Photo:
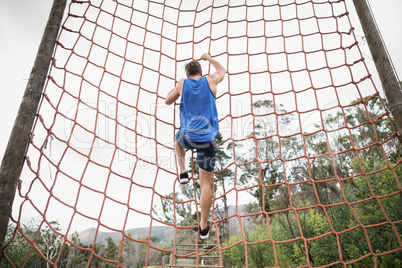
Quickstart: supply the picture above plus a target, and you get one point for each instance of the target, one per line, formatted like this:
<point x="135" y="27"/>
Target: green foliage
<point x="19" y="245"/>
<point x="111" y="252"/>
<point x="73" y="253"/>
<point x="260" y="251"/>
<point x="347" y="201"/>
<point x="236" y="253"/>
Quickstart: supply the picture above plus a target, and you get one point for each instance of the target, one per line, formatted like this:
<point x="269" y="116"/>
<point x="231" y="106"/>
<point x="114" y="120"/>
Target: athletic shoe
<point x="204" y="233"/>
<point x="183" y="178"/>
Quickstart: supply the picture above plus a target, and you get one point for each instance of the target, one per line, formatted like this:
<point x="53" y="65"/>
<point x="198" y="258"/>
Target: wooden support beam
<point x="14" y="156"/>
<point x="389" y="81"/>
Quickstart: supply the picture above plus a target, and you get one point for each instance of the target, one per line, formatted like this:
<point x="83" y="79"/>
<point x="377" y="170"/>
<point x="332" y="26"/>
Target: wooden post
<point x="389" y="81"/>
<point x="14" y="156"/>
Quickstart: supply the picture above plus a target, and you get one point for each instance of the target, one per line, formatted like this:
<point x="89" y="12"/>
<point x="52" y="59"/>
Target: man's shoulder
<point x="212" y="78"/>
<point x="180" y="83"/>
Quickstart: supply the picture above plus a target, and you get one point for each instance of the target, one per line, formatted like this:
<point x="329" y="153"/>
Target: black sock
<point x="184" y="175"/>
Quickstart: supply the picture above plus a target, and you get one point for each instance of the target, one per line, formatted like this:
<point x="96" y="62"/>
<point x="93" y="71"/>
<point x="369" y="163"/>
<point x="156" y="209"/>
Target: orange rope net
<point x="294" y="107"/>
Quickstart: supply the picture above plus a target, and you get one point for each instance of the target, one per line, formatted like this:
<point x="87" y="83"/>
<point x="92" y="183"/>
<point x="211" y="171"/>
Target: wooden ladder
<point x="206" y="261"/>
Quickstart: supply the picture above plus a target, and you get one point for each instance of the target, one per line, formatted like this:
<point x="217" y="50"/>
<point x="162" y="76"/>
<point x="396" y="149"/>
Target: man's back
<point x="198" y="113"/>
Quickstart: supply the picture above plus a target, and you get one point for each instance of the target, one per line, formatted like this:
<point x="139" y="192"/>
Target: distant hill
<point x="163" y="233"/>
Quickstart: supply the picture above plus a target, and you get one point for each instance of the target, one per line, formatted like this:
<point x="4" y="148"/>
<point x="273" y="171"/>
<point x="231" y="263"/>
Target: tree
<point x="259" y="254"/>
<point x="368" y="174"/>
<point x="111" y="252"/>
<point x="49" y="241"/>
<point x="73" y="256"/>
<point x="16" y="246"/>
<point x="134" y="253"/>
<point x="168" y="205"/>
<point x="356" y="160"/>
<point x="223" y="178"/>
<point x="261" y="163"/>
<point x="19" y="248"/>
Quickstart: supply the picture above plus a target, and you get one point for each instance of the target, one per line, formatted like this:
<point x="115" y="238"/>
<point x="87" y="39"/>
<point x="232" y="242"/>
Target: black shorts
<point x="206" y="151"/>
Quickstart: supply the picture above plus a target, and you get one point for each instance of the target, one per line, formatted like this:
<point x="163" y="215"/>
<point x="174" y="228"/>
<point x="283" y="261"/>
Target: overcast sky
<point x="22" y="23"/>
<point x="21" y="27"/>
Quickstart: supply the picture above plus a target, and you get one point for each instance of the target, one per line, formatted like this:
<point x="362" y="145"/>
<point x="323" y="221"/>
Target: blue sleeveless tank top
<point x="198" y="113"/>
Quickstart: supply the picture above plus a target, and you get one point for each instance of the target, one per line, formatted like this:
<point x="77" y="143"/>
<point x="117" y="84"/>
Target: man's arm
<point x="219" y="74"/>
<point x="175" y="93"/>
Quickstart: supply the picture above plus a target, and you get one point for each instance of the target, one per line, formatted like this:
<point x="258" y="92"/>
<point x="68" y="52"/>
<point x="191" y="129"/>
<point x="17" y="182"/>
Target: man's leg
<point x="206" y="196"/>
<point x="181" y="154"/>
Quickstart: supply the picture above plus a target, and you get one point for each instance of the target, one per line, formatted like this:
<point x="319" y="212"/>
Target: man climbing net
<point x="199" y="127"/>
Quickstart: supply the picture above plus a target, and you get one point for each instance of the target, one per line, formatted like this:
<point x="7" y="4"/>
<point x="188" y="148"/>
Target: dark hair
<point x="193" y="68"/>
